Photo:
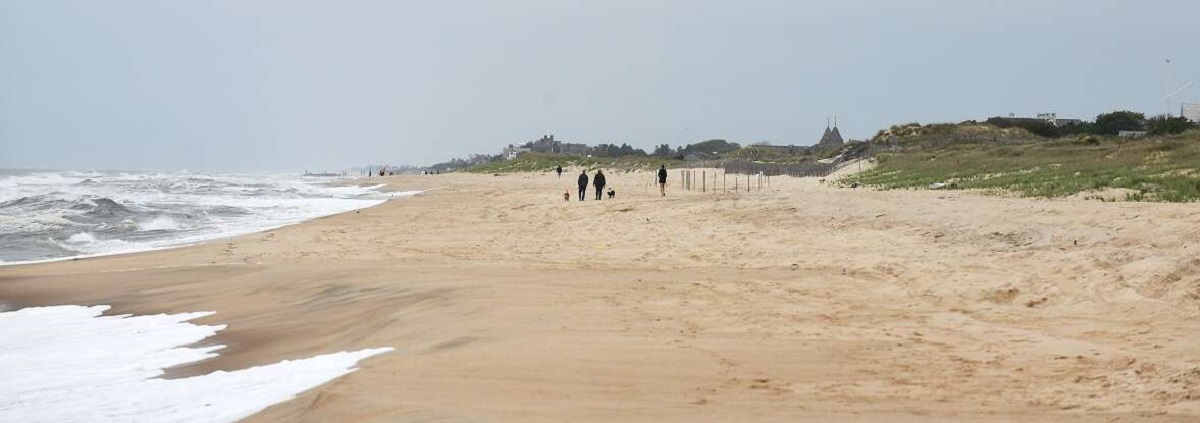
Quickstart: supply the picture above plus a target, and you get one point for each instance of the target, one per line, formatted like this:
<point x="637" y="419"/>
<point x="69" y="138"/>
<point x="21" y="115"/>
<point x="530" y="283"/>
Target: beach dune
<point x="798" y="302"/>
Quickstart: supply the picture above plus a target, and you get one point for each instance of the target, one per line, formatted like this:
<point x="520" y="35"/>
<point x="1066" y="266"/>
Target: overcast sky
<point x="293" y="85"/>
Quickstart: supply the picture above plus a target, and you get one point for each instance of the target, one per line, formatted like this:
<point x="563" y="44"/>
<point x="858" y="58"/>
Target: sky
<point x="287" y="86"/>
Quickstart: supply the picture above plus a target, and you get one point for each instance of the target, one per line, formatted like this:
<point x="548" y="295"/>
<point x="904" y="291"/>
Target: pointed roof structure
<point x="832" y="137"/>
<point x="836" y="136"/>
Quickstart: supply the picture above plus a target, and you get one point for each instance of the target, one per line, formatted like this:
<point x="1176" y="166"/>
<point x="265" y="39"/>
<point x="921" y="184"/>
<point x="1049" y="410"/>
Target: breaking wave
<point x="53" y="215"/>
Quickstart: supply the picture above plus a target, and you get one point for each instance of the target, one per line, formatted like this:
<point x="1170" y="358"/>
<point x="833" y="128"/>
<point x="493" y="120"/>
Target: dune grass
<point x="1153" y="169"/>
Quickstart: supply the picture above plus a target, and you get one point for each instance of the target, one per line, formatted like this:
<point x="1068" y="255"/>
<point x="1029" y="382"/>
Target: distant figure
<point x="662" y="180"/>
<point x="583" y="183"/>
<point x="381" y="171"/>
<point x="612" y="193"/>
<point x="598" y="182"/>
<point x="566" y="195"/>
<point x="559" y="170"/>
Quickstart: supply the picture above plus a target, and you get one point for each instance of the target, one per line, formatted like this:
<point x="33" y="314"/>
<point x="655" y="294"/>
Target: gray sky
<point x="294" y="85"/>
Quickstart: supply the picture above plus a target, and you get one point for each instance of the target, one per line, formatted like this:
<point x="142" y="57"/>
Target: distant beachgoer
<point x="559" y="170"/>
<point x="598" y="182"/>
<point x="662" y="180"/>
<point x="583" y="183"/>
<point x="567" y="195"/>
<point x="612" y="193"/>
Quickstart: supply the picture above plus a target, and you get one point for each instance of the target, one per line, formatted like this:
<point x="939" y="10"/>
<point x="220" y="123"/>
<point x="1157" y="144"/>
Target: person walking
<point x="598" y="182"/>
<point x="662" y="180"/>
<point x="559" y="170"/>
<point x="583" y="183"/>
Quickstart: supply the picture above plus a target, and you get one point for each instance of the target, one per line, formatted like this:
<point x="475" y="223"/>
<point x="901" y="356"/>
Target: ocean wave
<point x="160" y="223"/>
<point x="104" y="207"/>
<point x="13" y="224"/>
<point x="81" y="238"/>
<point x="43" y="214"/>
<point x="87" y="243"/>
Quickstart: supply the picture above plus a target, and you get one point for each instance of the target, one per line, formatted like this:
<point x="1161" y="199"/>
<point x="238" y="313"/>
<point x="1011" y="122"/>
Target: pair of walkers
<point x="597" y="181"/>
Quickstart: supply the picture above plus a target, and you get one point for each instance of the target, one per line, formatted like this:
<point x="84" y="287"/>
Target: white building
<point x="513" y="151"/>
<point x="1190" y="111"/>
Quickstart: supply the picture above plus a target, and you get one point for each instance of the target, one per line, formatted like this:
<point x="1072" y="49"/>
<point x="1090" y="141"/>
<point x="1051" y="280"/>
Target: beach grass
<point x="1165" y="169"/>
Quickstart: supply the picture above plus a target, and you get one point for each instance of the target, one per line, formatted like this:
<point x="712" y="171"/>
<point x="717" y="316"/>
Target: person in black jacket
<point x="598" y="182"/>
<point x="583" y="183"/>
<point x="662" y="180"/>
<point x="559" y="170"/>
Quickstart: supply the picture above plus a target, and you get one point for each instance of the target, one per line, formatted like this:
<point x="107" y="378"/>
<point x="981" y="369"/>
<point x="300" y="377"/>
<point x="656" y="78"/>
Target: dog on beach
<point x="612" y="193"/>
<point x="567" y="195"/>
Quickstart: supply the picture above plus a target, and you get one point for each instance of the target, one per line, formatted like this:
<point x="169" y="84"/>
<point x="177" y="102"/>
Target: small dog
<point x="567" y="195"/>
<point x="612" y="193"/>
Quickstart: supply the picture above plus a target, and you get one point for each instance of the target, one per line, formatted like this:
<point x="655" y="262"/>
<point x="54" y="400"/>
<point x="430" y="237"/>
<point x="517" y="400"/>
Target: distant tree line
<point x="1111" y="123"/>
<point x="612" y="150"/>
<point x="708" y="148"/>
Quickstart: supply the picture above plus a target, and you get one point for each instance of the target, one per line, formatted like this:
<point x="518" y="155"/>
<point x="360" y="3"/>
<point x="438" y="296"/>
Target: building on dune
<point x="1191" y="111"/>
<point x="832" y="138"/>
<point x="545" y="145"/>
<point x="511" y="152"/>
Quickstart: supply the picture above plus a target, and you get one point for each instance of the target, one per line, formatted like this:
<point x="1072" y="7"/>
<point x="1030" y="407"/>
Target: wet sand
<point x="796" y="303"/>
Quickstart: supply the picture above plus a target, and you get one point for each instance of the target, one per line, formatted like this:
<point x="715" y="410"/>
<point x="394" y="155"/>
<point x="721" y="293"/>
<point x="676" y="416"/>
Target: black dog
<point x="612" y="193"/>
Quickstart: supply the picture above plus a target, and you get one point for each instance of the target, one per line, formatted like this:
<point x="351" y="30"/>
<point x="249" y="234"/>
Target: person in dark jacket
<point x="598" y="182"/>
<point x="559" y="170"/>
<point x="662" y="180"/>
<point x="583" y="183"/>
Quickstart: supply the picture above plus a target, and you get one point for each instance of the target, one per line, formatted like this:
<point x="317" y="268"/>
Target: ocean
<point x="49" y="215"/>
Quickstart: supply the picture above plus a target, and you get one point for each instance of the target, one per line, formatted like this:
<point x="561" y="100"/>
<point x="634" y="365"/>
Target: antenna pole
<point x="1170" y="85"/>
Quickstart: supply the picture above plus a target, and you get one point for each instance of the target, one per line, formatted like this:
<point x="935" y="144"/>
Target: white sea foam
<point x="81" y="238"/>
<point x="70" y="364"/>
<point x="161" y="223"/>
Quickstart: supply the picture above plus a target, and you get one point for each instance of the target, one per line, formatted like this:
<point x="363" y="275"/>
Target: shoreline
<point x="795" y="304"/>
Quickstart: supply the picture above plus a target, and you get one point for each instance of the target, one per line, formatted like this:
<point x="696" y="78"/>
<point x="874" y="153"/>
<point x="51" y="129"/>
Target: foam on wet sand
<point x="73" y="364"/>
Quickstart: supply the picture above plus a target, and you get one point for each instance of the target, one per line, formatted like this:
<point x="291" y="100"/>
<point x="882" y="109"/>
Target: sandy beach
<point x="800" y="302"/>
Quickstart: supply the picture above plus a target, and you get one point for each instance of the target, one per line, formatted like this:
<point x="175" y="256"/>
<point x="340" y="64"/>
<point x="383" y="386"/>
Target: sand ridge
<point x="802" y="302"/>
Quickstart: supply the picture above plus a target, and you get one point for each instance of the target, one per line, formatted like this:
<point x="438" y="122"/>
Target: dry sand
<point x="796" y="303"/>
